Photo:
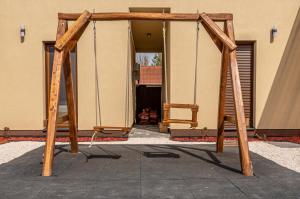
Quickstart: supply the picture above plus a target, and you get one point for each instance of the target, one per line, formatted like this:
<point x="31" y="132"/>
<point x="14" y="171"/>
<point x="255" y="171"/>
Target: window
<point x="63" y="110"/>
<point x="246" y="61"/>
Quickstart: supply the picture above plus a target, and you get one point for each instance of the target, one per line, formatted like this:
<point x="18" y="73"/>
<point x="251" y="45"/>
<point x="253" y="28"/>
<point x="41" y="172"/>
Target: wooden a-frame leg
<point x="223" y="81"/>
<point x="246" y="163"/>
<point x="71" y="103"/>
<point x="53" y="103"/>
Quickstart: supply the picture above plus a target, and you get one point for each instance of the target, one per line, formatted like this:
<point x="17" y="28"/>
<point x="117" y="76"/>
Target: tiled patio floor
<point x="146" y="171"/>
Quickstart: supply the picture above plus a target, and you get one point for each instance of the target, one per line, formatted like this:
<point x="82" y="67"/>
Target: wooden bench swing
<point x="99" y="128"/>
<point x="167" y="105"/>
<point x="67" y="39"/>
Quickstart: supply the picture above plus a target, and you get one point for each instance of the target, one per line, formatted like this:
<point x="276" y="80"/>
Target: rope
<point x="97" y="96"/>
<point x="196" y="62"/>
<point x="97" y="93"/>
<point x="127" y="76"/>
<point x="165" y="63"/>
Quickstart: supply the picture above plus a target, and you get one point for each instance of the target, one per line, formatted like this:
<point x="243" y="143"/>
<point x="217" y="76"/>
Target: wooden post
<point x="239" y="108"/>
<point x="53" y="103"/>
<point x="194" y="117"/>
<point x="221" y="113"/>
<point x="71" y="103"/>
<point x="166" y="113"/>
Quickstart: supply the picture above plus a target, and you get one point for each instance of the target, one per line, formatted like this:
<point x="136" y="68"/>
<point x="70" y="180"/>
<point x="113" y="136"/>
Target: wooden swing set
<point x="66" y="40"/>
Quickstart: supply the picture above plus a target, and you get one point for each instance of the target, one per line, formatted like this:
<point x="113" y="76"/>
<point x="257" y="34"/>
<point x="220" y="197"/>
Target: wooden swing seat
<point x="167" y="120"/>
<point x="112" y="128"/>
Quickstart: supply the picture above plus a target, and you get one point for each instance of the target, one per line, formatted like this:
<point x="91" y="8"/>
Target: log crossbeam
<point x="63" y="118"/>
<point x="146" y="16"/>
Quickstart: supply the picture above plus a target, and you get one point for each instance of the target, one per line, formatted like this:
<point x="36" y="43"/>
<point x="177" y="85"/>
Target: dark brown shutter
<point x="245" y="59"/>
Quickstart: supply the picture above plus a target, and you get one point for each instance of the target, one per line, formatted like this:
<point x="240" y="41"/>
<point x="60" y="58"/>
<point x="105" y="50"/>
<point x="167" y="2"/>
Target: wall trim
<point x="42" y="133"/>
<point x="203" y="133"/>
<point x="279" y="132"/>
<point x="174" y="133"/>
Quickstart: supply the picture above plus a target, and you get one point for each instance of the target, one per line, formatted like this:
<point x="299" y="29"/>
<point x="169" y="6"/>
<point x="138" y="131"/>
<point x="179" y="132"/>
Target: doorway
<point x="149" y="84"/>
<point x="148" y="88"/>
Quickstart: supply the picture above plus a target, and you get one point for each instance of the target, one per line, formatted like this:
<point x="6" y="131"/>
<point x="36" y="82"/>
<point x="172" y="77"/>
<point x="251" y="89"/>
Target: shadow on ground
<point x="146" y="171"/>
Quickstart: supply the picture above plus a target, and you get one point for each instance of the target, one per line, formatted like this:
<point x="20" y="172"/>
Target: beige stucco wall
<point x="282" y="107"/>
<point x="22" y="101"/>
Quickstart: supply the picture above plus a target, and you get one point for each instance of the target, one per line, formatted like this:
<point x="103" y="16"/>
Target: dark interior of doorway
<point x="148" y="97"/>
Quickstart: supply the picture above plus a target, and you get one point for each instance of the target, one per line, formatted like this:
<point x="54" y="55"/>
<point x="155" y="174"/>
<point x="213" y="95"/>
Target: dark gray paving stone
<point x="159" y="189"/>
<point x="214" y="188"/>
<point x="11" y="189"/>
<point x="127" y="189"/>
<point x="267" y="168"/>
<point x="63" y="190"/>
<point x="255" y="187"/>
<point x="195" y="171"/>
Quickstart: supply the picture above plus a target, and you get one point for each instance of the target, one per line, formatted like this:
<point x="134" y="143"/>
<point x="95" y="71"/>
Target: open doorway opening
<point x="149" y="88"/>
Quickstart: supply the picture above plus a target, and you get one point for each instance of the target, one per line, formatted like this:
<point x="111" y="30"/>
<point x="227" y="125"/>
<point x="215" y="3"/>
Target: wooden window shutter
<point x="245" y="59"/>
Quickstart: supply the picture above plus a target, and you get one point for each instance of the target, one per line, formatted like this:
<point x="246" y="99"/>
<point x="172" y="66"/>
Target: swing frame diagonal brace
<point x="246" y="163"/>
<point x="72" y="43"/>
<point x="216" y="30"/>
<point x="53" y="102"/>
<point x="215" y="39"/>
<point x="78" y="25"/>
